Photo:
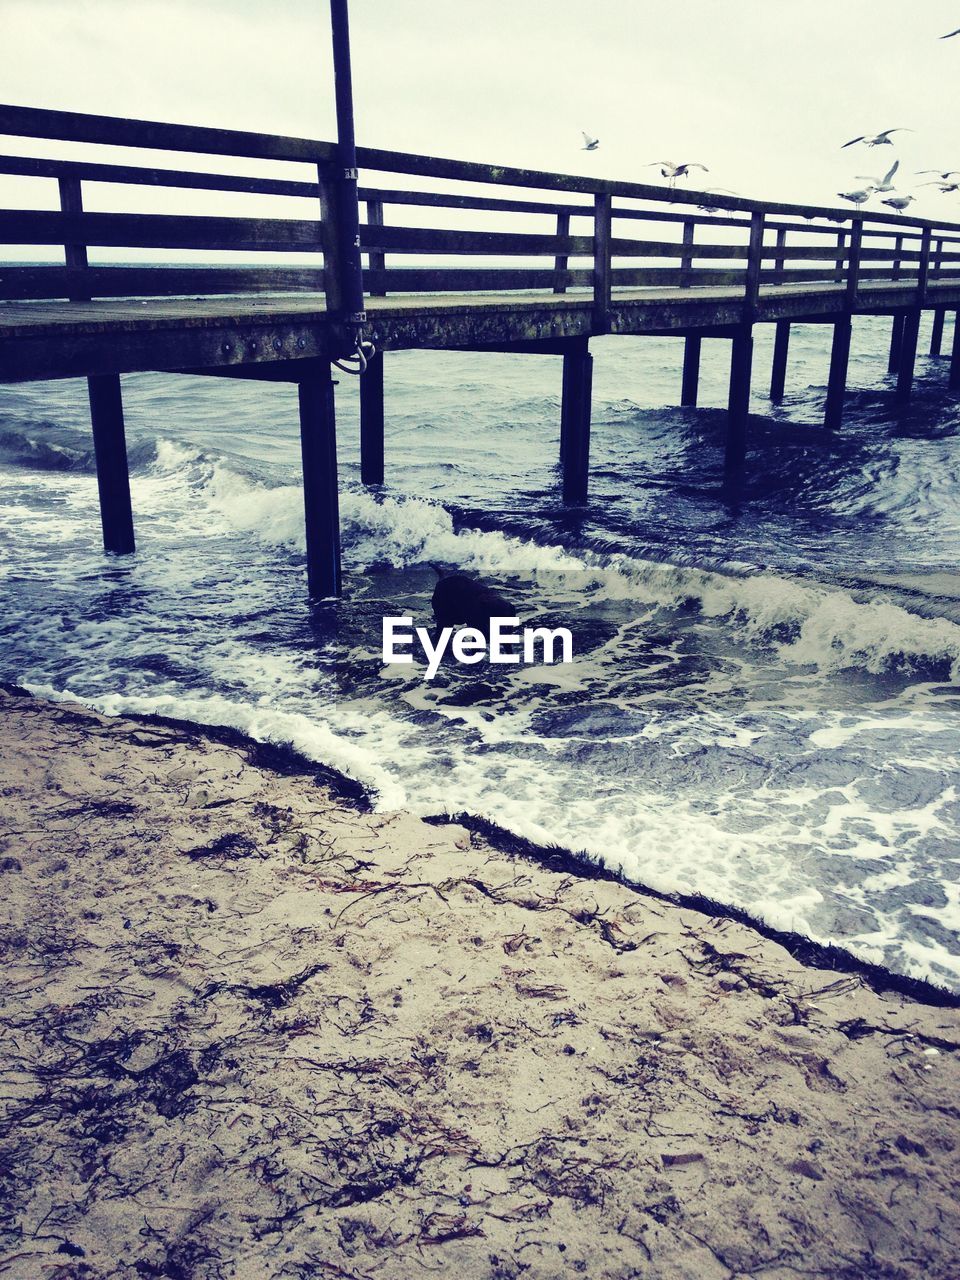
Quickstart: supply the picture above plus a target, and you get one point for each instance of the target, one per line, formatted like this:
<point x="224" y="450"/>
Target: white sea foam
<point x="827" y="628"/>
<point x="655" y="833"/>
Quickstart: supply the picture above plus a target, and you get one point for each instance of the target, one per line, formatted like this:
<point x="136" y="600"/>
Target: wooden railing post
<point x="897" y="251"/>
<point x="106" y="408"/>
<point x="780" y="260"/>
<point x="560" y="261"/>
<point x="923" y="269"/>
<point x="841" y="256"/>
<point x="378" y="259"/>
<point x="754" y="264"/>
<point x="853" y="262"/>
<point x="330" y="239"/>
<point x="602" y="217"/>
<point x="686" y="257"/>
<point x="75" y="255"/>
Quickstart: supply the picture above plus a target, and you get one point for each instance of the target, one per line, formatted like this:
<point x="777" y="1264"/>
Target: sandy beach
<point x="252" y="1028"/>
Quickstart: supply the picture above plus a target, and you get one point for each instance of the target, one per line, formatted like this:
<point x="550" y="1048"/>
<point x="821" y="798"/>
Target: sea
<point x="764" y="701"/>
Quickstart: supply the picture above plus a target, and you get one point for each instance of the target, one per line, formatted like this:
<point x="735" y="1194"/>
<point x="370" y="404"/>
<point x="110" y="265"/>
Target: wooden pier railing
<point x="623" y="235"/>
<point x="454" y="253"/>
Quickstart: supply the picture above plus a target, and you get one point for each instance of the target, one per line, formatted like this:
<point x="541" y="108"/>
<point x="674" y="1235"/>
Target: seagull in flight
<point x="945" y="187"/>
<point x="589" y="144"/>
<point x="857" y="197"/>
<point x="879" y="139"/>
<point x="944" y="177"/>
<point x="899" y="202"/>
<point x="951" y="34"/>
<point x="672" y="171"/>
<point x="884" y="183"/>
<point x="706" y="205"/>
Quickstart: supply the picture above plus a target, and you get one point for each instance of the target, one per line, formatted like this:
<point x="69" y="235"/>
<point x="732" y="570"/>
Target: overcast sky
<point x="762" y="91"/>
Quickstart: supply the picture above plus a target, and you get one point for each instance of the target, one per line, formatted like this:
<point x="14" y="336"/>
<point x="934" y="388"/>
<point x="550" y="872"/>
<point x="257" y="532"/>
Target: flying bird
<point x="951" y="34"/>
<point x="589" y="144"/>
<point x="670" y="170"/>
<point x="878" y="139"/>
<point x="884" y="183"/>
<point x="706" y="205"/>
<point x="945" y="187"/>
<point x="944" y="177"/>
<point x="898" y="202"/>
<point x="857" y="197"/>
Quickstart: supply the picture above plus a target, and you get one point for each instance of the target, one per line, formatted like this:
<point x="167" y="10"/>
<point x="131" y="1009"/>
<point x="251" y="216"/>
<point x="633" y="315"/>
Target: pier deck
<point x="253" y="334"/>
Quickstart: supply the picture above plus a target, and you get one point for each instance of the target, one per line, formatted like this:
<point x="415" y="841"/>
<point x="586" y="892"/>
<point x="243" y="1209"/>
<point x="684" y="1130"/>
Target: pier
<point x="339" y="262"/>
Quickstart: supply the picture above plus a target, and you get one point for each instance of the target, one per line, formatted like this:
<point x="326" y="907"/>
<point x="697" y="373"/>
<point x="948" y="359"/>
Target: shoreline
<point x="253" y="1028"/>
<point x="287" y="760"/>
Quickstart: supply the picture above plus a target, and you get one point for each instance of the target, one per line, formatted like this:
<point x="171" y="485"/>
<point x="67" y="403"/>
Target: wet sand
<point x="252" y="1029"/>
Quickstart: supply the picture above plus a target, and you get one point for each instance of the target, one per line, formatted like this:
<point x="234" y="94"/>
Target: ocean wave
<point x="50" y="448"/>
<point x="806" y="623"/>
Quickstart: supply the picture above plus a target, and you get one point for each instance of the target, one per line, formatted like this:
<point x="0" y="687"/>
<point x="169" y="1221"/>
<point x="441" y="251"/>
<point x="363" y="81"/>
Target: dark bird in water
<point x="881" y="139"/>
<point x="459" y="599"/>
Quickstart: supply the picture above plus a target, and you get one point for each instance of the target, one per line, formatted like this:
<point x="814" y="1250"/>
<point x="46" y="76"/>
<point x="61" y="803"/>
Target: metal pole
<point x="350" y="271"/>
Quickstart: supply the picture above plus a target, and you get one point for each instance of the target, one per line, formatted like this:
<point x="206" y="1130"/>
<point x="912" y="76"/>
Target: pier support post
<point x="778" y="375"/>
<point x="691" y="370"/>
<point x="738" y="408"/>
<point x="954" y="380"/>
<point x="318" y="443"/>
<point x="896" y="343"/>
<point x="936" y="333"/>
<point x="371" y="421"/>
<point x="908" y="353"/>
<point x="110" y="449"/>
<point x="575" y="422"/>
<point x="837" y="383"/>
